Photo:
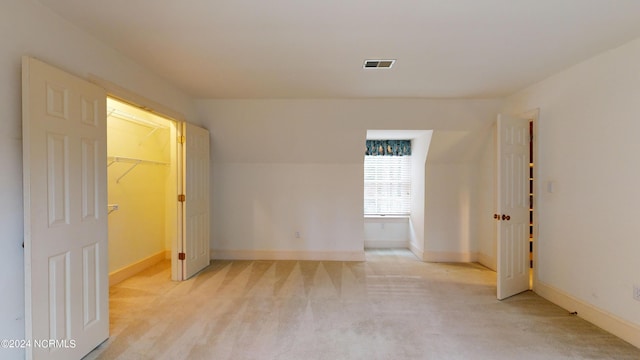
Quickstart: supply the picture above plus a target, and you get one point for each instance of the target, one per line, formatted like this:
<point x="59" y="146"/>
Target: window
<point x="387" y="178"/>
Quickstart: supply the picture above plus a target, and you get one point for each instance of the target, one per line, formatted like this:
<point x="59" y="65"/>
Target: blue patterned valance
<point x="388" y="147"/>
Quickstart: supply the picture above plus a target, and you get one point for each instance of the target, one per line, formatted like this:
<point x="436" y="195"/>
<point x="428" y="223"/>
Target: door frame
<point x="533" y="116"/>
<point x="126" y="96"/>
<point x="172" y="222"/>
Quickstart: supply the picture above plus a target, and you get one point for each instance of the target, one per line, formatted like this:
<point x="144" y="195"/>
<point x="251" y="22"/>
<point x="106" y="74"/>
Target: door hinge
<point x="182" y="256"/>
<point x="182" y="198"/>
<point x="182" y="139"/>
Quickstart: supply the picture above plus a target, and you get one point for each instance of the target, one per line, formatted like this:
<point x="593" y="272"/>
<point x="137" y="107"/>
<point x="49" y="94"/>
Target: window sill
<point x="378" y="217"/>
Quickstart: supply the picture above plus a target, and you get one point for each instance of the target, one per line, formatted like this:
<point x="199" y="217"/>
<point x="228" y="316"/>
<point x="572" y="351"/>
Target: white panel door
<point x="65" y="203"/>
<point x="196" y="207"/>
<point x="512" y="205"/>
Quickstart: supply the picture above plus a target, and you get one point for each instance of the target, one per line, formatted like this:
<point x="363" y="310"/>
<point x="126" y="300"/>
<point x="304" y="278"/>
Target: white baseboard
<point x="436" y="256"/>
<point x="487" y="261"/>
<point x="609" y="322"/>
<point x="132" y="269"/>
<point x="386" y="244"/>
<point x="417" y="252"/>
<point x="287" y="255"/>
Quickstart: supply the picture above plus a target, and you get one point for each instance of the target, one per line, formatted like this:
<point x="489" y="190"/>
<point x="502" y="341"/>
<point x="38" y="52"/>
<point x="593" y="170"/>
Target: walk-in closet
<point x="142" y="183"/>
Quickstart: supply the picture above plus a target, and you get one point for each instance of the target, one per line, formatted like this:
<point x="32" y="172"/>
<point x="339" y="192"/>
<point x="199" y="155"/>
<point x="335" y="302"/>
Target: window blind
<point x="387" y="185"/>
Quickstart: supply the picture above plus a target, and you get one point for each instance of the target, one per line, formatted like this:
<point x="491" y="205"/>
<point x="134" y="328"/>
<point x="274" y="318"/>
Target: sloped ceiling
<point x="315" y="49"/>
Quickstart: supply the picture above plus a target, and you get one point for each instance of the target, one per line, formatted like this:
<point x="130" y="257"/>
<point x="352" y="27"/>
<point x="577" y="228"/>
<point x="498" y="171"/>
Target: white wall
<point x="484" y="177"/>
<point x="420" y="151"/>
<point x="448" y="235"/>
<point x="29" y="28"/>
<point x="297" y="165"/>
<point x="260" y="207"/>
<point x="588" y="145"/>
<point x="386" y="232"/>
<point x="455" y="209"/>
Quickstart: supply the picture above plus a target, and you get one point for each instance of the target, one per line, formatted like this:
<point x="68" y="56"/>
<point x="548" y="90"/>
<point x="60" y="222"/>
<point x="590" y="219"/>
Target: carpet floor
<point x="390" y="307"/>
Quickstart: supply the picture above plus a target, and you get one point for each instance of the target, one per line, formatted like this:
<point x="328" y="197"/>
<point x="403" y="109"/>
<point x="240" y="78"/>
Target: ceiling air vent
<point x="378" y="64"/>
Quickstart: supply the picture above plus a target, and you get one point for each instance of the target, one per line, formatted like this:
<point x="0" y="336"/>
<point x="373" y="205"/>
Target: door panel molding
<point x="65" y="201"/>
<point x="512" y="206"/>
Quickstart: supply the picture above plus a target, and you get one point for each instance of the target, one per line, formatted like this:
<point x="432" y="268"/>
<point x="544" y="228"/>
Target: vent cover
<point x="378" y="64"/>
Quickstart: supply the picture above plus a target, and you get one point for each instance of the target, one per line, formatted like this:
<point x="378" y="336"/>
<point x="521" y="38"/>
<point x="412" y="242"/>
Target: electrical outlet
<point x="636" y="292"/>
<point x="297" y="234"/>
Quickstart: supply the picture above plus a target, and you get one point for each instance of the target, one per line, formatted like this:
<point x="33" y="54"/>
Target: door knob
<point x="506" y="217"/>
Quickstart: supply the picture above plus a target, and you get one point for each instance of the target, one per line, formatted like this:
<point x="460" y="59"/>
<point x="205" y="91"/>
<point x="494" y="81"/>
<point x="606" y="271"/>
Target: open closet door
<point x="512" y="213"/>
<point x="65" y="213"/>
<point x="195" y="225"/>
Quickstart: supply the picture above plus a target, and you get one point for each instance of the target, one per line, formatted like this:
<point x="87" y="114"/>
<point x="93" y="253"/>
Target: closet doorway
<point x="157" y="209"/>
<point x="142" y="189"/>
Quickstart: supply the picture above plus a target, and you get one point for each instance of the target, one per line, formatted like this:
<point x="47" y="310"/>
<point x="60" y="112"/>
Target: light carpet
<point x="390" y="307"/>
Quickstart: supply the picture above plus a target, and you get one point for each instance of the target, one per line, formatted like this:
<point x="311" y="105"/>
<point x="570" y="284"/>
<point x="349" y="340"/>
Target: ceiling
<point x="315" y="49"/>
